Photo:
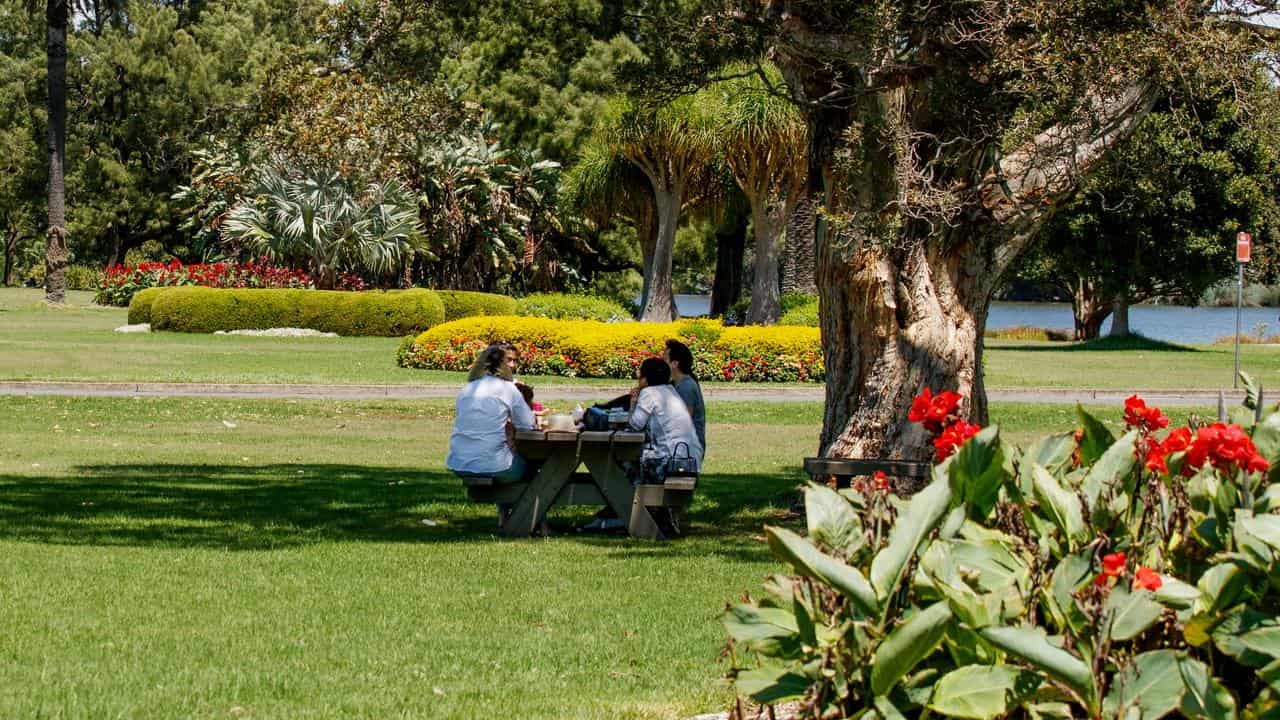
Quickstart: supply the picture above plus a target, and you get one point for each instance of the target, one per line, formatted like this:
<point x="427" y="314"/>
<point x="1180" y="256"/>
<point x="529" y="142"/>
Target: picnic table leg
<point x="621" y="494"/>
<point x="541" y="493"/>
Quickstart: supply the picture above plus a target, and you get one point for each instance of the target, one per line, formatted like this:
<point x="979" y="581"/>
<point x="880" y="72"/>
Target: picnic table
<point x="604" y="483"/>
<point x="844" y="470"/>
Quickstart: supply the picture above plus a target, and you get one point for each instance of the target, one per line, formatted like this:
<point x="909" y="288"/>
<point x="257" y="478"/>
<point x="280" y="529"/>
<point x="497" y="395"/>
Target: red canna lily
<point x="957" y="434"/>
<point x="1147" y="579"/>
<point x="1145" y="419"/>
<point x="1112" y="567"/>
<point x="881" y="481"/>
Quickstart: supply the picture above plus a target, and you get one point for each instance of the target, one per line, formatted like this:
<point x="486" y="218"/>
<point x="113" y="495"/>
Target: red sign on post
<point x="1244" y="243"/>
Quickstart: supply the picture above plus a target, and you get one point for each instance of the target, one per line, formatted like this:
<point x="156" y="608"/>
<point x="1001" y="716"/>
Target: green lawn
<point x="268" y="559"/>
<point x="77" y="343"/>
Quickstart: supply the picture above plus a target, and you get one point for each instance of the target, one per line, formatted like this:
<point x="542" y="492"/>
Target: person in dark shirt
<point x="680" y="358"/>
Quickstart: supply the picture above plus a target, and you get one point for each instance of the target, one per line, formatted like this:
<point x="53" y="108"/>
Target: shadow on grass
<point x="272" y="506"/>
<point x="1103" y="344"/>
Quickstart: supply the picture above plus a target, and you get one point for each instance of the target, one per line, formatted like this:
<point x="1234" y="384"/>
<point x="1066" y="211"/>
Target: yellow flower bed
<point x="588" y="348"/>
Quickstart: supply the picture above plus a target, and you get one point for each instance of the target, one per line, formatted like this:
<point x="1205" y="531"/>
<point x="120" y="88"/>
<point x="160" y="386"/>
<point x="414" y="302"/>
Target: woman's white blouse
<point x="661" y="412"/>
<point x="479" y="440"/>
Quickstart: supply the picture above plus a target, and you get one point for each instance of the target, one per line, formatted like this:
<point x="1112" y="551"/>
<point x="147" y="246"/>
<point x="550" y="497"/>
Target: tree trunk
<point x="766" y="302"/>
<point x="731" y="247"/>
<point x="1120" y="317"/>
<point x="55" y="280"/>
<point x="647" y="235"/>
<point x="1090" y="306"/>
<point x="799" y="253"/>
<point x="660" y="301"/>
<point x="10" y="247"/>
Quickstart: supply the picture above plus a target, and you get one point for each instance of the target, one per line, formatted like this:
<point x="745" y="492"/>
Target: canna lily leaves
<point x="980" y="692"/>
<point x="916" y="520"/>
<point x="1031" y="645"/>
<point x="1095" y="438"/>
<point x="1115" y="463"/>
<point x="769" y="631"/>
<point x="1176" y="594"/>
<point x="908" y="644"/>
<point x="1220" y="586"/>
<point x="1133" y="611"/>
<point x="1264" y="527"/>
<point x="831" y="518"/>
<point x="1265" y="640"/>
<point x="1149" y="686"/>
<point x="1203" y="696"/>
<point x="1062" y="506"/>
<point x="812" y="562"/>
<point x="772" y="682"/>
<point x="978" y="471"/>
<point x="1072" y="572"/>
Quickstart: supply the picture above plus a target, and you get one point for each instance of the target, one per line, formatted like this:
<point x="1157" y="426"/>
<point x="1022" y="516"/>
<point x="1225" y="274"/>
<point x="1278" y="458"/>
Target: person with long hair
<point x="488" y="411"/>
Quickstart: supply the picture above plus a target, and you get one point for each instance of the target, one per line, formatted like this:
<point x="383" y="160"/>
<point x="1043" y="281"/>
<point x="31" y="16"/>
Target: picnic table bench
<point x="604" y="483"/>
<point x="845" y="469"/>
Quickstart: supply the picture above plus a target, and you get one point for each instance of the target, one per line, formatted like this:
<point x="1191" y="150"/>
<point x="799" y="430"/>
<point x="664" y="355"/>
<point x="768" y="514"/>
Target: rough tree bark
<point x="1090" y="306"/>
<point x="798" y="256"/>
<point x="10" y="247"/>
<point x="907" y="310"/>
<point x="55" y="279"/>
<point x="646" y="224"/>
<point x="1120" y="317"/>
<point x="731" y="246"/>
<point x="767" y="218"/>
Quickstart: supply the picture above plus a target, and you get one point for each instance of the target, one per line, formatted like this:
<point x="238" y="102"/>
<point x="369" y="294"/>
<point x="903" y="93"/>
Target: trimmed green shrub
<point x="205" y="310"/>
<point x="465" y="303"/>
<point x="140" y="305"/>
<point x="558" y="306"/>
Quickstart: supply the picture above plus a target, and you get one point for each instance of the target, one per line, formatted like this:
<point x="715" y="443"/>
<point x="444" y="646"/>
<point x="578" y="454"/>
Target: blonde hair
<point x="492" y="361"/>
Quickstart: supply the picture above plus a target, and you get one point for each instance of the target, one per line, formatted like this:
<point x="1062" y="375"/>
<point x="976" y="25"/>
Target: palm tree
<point x="314" y="219"/>
<point x="55" y="249"/>
<point x="761" y="136"/>
<point x="673" y="146"/>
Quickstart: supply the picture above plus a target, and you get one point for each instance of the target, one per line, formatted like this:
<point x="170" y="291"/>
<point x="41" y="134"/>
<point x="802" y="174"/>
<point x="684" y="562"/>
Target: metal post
<point x="1235" y="379"/>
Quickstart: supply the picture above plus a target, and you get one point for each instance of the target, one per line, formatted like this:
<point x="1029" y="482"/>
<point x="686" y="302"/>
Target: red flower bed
<point x="120" y="282"/>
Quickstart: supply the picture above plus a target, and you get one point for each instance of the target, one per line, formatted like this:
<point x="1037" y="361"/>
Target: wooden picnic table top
<point x="585" y="436"/>
<point x="854" y="467"/>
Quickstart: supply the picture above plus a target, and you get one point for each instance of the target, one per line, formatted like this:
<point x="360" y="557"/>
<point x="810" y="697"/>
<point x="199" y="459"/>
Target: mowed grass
<point x="77" y="343"/>
<point x="269" y="559"/>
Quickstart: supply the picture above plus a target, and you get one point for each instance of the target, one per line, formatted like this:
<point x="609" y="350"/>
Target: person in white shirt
<point x="658" y="410"/>
<point x="660" y="413"/>
<point x="488" y="409"/>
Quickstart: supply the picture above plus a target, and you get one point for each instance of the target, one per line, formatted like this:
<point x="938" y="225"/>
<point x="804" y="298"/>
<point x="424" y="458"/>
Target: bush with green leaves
<point x="378" y="313"/>
<point x="1087" y="575"/>
<point x="805" y="314"/>
<point x="140" y="305"/>
<point x="558" y="306"/>
<point x="83" y="277"/>
<point x="466" y="303"/>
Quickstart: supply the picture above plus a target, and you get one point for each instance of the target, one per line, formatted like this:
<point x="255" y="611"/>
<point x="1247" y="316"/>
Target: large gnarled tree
<point x="943" y="134"/>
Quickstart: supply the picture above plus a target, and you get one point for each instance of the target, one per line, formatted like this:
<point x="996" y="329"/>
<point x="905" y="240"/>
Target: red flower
<point x="881" y="480"/>
<point x="1112" y="567"/>
<point x="1225" y="447"/>
<point x="1147" y="579"/>
<point x="957" y="434"/>
<point x="1178" y="440"/>
<point x="934" y="411"/>
<point x="1145" y="419"/>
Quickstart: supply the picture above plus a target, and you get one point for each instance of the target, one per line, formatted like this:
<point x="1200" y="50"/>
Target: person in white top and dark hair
<point x="488" y="411"/>
<point x="660" y="413"/>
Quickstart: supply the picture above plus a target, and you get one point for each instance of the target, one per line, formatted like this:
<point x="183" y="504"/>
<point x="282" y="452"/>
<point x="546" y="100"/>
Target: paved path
<point x="569" y="392"/>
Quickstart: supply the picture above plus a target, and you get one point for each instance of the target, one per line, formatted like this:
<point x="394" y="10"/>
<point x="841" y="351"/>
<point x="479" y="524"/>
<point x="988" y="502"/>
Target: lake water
<point x="1171" y="323"/>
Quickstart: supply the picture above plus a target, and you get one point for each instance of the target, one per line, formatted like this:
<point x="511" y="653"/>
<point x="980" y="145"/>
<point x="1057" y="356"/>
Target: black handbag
<point x="682" y="466"/>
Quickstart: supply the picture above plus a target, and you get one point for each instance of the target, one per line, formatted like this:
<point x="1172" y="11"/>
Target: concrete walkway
<point x="1064" y="396"/>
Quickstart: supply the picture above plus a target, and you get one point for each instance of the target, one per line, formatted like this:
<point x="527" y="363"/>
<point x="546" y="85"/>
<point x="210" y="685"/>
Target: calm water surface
<point x="1171" y="323"/>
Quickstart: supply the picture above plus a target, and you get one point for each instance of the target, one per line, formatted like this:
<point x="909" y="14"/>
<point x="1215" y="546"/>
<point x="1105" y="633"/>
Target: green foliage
<point x="140" y="305"/>
<point x="571" y="307"/>
<point x="316" y="220"/>
<point x="388" y="314"/>
<point x="799" y="309"/>
<point x="466" y="303"/>
<point x="1077" y="577"/>
<point x="83" y="277"/>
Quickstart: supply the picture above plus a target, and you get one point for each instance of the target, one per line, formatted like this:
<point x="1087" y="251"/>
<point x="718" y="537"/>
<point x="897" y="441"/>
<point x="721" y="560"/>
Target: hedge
<point x="589" y="348"/>
<point x="382" y="313"/>
<point x="558" y="306"/>
<point x="805" y="314"/>
<point x="140" y="305"/>
<point x="460" y="304"/>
